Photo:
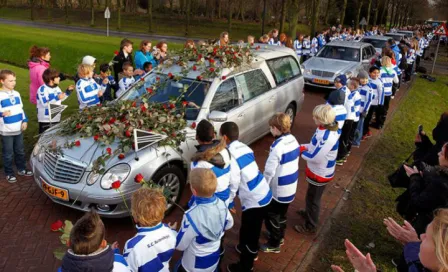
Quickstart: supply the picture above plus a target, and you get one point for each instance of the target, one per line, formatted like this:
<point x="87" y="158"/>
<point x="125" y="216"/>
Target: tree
<point x="376" y="9"/>
<point x="32" y="9"/>
<point x="368" y="13"/>
<point x="314" y="15"/>
<point x="149" y="11"/>
<point x="119" y="14"/>
<point x="263" y="18"/>
<point x="327" y="13"/>
<point x="92" y="9"/>
<point x="358" y="14"/>
<point x="384" y="12"/>
<point x="67" y="21"/>
<point x="187" y="13"/>
<point x="229" y="15"/>
<point x="282" y="16"/>
<point x="344" y="7"/>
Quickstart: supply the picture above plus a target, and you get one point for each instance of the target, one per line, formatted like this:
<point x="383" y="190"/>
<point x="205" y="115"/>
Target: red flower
<point x="109" y="150"/>
<point x="164" y="106"/>
<point x="89" y="117"/>
<point x="200" y="56"/>
<point x="199" y="78"/>
<point x="128" y="133"/>
<point x="112" y="120"/>
<point x="172" y="106"/>
<point x="77" y="143"/>
<point x="78" y="126"/>
<point x="193" y="125"/>
<point x="116" y="52"/>
<point x="303" y="148"/>
<point x="149" y="90"/>
<point x="211" y="69"/>
<point x="143" y="108"/>
<point x="134" y="104"/>
<point x="212" y="61"/>
<point x="139" y="178"/>
<point x="223" y="77"/>
<point x="121" y="156"/>
<point x="184" y="103"/>
<point x="99" y="105"/>
<point x="173" y="134"/>
<point x="170" y="75"/>
<point x="158" y="78"/>
<point x="96" y="137"/>
<point x="133" y="146"/>
<point x="56" y="226"/>
<point x="116" y="185"/>
<point x="194" y="68"/>
<point x="142" y="79"/>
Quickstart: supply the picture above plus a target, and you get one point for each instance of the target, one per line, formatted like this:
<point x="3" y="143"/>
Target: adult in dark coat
<point x="124" y="55"/>
<point x="428" y="191"/>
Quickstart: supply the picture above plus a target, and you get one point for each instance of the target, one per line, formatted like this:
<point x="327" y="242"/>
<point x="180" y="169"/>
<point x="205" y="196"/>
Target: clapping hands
<point x="404" y="234"/>
<point x="360" y="262"/>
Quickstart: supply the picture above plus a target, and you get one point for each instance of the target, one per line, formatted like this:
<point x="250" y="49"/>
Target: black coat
<point x="119" y="60"/>
<point x="426" y="151"/>
<point x="427" y="193"/>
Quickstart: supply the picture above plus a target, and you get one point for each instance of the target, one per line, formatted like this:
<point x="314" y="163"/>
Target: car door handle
<point x="241" y="115"/>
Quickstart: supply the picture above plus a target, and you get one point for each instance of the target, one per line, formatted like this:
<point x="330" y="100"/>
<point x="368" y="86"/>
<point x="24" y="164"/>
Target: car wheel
<point x="291" y="112"/>
<point x="172" y="179"/>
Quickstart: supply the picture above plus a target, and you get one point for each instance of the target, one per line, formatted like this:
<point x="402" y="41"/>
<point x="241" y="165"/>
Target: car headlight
<point x="307" y="72"/>
<point x="118" y="172"/>
<point x="41" y="154"/>
<point x="36" y="149"/>
<point x="92" y="178"/>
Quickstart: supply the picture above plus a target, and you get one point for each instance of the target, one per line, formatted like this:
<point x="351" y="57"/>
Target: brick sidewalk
<point x="26" y="213"/>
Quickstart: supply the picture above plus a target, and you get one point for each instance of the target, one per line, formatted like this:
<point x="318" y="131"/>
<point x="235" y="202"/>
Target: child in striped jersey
<point x="282" y="174"/>
<point x="389" y="78"/>
<point x="298" y="47"/>
<point x="88" y="249"/>
<point x="127" y="80"/>
<point x="255" y="195"/>
<point x="203" y="225"/>
<point x="50" y="93"/>
<point x="306" y="44"/>
<point x="12" y="122"/>
<point x="153" y="246"/>
<point x="377" y="100"/>
<point x="314" y="45"/>
<point x="89" y="92"/>
<point x="320" y="156"/>
<point x="344" y="140"/>
<point x="366" y="93"/>
<point x="353" y="86"/>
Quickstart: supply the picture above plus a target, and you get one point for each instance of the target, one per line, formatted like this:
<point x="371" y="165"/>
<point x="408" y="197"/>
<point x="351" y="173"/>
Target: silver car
<point x="377" y="41"/>
<point x="249" y="96"/>
<point x="336" y="58"/>
<point x="396" y="36"/>
<point x="407" y="33"/>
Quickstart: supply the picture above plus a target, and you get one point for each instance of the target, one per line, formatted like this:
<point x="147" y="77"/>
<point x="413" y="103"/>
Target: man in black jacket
<point x="124" y="55"/>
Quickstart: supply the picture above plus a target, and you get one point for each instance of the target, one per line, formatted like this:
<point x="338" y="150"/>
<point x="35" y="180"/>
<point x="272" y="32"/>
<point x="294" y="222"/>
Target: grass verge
<point x="372" y="198"/>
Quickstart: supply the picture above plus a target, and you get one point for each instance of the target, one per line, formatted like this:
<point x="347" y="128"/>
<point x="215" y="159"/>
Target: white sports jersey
<point x="282" y="168"/>
<point x="253" y="190"/>
<point x="348" y="103"/>
<point x="378" y="91"/>
<point x="87" y="90"/>
<point x="355" y="97"/>
<point x="388" y="76"/>
<point x="46" y="95"/>
<point x="11" y="125"/>
<point x="306" y="47"/>
<point x="124" y="84"/>
<point x="314" y="46"/>
<point x="298" y="48"/>
<point x="150" y="249"/>
<point x="273" y="42"/>
<point x="120" y="264"/>
<point x="366" y="93"/>
<point x="200" y="234"/>
<point x="341" y="114"/>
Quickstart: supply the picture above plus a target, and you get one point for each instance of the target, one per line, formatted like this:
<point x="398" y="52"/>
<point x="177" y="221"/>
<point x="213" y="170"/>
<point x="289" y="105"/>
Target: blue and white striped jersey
<point x="314" y="46"/>
<point x="410" y="58"/>
<point x="348" y="103"/>
<point x="120" y="264"/>
<point x="421" y="46"/>
<point x="253" y="190"/>
<point x="150" y="249"/>
<point x="87" y="90"/>
<point x="388" y="76"/>
<point x="46" y="95"/>
<point x="298" y="47"/>
<point x="273" y="42"/>
<point x="378" y="91"/>
<point x="199" y="237"/>
<point x="124" y="84"/>
<point x="341" y="114"/>
<point x="354" y="114"/>
<point x="282" y="168"/>
<point x="12" y="102"/>
<point x="306" y="46"/>
<point x="366" y="93"/>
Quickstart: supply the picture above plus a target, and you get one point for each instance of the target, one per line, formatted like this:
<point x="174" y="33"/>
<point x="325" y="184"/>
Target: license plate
<point x="321" y="81"/>
<point x="54" y="191"/>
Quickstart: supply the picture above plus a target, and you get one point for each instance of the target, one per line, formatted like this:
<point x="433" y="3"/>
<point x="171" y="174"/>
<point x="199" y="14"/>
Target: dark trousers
<point x="352" y="135"/>
<point x="344" y="139"/>
<point x="250" y="230"/>
<point x="313" y="197"/>
<point x="408" y="72"/>
<point x="417" y="62"/>
<point x="275" y="222"/>
<point x="182" y="269"/>
<point x="13" y="147"/>
<point x="44" y="126"/>
<point x="368" y="118"/>
<point x="383" y="111"/>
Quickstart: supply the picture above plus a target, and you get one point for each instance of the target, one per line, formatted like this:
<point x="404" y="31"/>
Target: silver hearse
<point x="336" y="58"/>
<point x="249" y="96"/>
<point x="377" y="41"/>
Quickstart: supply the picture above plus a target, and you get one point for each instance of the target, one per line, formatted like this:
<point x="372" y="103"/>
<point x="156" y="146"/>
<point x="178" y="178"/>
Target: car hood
<point x="330" y="65"/>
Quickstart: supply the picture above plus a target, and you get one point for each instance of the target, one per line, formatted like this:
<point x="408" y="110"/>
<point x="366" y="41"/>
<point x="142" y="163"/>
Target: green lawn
<point x="372" y="198"/>
<point x="67" y="49"/>
<point x="163" y="24"/>
<point x="23" y="81"/>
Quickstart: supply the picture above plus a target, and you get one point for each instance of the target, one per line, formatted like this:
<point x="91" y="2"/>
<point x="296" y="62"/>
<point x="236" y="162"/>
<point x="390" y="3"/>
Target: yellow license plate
<point x="321" y="81"/>
<point x="54" y="191"/>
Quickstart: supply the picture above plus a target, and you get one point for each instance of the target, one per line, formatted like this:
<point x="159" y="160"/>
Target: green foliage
<point x="372" y="198"/>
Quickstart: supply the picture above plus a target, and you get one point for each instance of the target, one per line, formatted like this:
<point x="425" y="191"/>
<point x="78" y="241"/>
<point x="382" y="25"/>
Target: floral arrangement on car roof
<point x="117" y="121"/>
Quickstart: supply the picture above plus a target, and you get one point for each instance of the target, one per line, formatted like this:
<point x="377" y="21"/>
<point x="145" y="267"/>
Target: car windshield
<point x="376" y="43"/>
<point x="170" y="90"/>
<point x="340" y="53"/>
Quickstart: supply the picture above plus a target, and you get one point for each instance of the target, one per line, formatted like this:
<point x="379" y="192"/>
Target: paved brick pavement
<point x="26" y="213"/>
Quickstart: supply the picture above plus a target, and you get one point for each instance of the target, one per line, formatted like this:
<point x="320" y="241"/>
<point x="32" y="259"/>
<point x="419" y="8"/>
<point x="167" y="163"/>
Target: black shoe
<point x="236" y="267"/>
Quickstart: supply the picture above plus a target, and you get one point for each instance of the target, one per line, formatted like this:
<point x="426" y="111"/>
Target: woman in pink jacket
<point x="38" y="63"/>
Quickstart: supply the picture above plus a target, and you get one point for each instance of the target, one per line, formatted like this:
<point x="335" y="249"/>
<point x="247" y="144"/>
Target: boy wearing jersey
<point x="88" y="91"/>
<point x="282" y="174"/>
<point x="127" y="80"/>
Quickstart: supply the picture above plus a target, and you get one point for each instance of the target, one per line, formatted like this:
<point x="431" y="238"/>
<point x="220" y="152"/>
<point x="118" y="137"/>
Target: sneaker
<point x="26" y="173"/>
<point x="341" y="161"/>
<point x="11" y="179"/>
<point x="267" y="235"/>
<point x="236" y="267"/>
<point x="392" y="97"/>
<point x="348" y="153"/>
<point x="363" y="138"/>
<point x="269" y="249"/>
<point x="369" y="134"/>
<point x="238" y="250"/>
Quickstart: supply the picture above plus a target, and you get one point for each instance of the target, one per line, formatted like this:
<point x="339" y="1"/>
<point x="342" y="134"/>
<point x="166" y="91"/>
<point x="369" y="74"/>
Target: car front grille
<point x="61" y="169"/>
<point x="322" y="73"/>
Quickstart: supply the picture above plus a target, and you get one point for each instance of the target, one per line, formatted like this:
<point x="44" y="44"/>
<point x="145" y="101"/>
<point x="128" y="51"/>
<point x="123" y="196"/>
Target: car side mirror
<point x="217" y="116"/>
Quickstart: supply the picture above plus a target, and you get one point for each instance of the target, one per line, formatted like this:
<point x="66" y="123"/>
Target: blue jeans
<point x="359" y="128"/>
<point x="13" y="147"/>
